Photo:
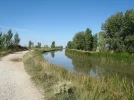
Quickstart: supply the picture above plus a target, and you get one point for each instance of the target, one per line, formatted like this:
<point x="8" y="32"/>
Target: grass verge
<point x="125" y="57"/>
<point x="60" y="84"/>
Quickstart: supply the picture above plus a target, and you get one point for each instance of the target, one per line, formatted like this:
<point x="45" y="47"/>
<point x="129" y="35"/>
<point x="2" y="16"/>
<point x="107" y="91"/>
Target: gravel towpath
<point x="15" y="83"/>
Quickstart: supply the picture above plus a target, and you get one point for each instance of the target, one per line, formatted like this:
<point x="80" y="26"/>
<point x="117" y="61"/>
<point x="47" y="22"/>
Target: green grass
<point x="60" y="84"/>
<point x="125" y="57"/>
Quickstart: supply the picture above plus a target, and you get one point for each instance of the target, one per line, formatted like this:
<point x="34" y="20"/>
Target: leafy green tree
<point x="16" y="39"/>
<point x="4" y="40"/>
<point x="53" y="44"/>
<point x="129" y="41"/>
<point x="101" y="41"/>
<point x="69" y="45"/>
<point x="95" y="41"/>
<point x="118" y="30"/>
<point x="88" y="40"/>
<point x="9" y="38"/>
<point x="7" y="41"/>
<point x="113" y="28"/>
<point x="79" y="41"/>
<point x="128" y="31"/>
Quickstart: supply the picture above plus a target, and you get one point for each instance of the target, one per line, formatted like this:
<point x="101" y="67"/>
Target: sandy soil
<point x="15" y="83"/>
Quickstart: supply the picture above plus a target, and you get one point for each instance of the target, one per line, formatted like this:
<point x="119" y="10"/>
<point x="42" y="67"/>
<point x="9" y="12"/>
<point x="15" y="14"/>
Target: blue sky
<point x="56" y="20"/>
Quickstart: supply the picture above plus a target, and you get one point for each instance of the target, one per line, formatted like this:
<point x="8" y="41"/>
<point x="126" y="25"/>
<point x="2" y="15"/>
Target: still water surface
<point x="94" y="66"/>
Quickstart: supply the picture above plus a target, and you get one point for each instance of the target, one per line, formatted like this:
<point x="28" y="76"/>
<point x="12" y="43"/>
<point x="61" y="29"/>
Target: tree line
<point x="83" y="41"/>
<point x="31" y="45"/>
<point x="8" y="39"/>
<point x="117" y="35"/>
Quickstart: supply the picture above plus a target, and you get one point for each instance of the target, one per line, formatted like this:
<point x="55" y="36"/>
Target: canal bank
<point x="92" y="64"/>
<point x="60" y="84"/>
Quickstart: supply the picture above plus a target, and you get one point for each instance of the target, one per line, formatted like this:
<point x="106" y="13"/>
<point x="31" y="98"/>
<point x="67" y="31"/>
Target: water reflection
<point x="94" y="66"/>
<point x="52" y="54"/>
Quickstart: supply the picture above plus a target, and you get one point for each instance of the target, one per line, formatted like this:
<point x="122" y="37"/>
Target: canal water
<point x="93" y="66"/>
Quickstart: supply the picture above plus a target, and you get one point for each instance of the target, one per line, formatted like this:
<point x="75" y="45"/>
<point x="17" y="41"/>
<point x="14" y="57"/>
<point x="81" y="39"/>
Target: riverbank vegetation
<point x="60" y="84"/>
<point x="117" y="35"/>
<point x="119" y="57"/>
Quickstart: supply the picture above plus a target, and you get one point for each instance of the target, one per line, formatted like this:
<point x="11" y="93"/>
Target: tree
<point x="128" y="31"/>
<point x="69" y="45"/>
<point x="118" y="29"/>
<point x="9" y="38"/>
<point x="95" y="41"/>
<point x="53" y="44"/>
<point x="101" y="41"/>
<point x="16" y="39"/>
<point x="30" y="44"/>
<point x="88" y="39"/>
<point x="39" y="45"/>
<point x="6" y="41"/>
<point x="79" y="41"/>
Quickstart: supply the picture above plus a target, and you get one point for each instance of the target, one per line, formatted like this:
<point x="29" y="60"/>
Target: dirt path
<point x="15" y="83"/>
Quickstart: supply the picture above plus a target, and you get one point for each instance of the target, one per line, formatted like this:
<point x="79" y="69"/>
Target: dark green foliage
<point x="69" y="45"/>
<point x="117" y="35"/>
<point x="95" y="40"/>
<point x="82" y="41"/>
<point x="88" y="40"/>
<point x="53" y="44"/>
<point x="9" y="38"/>
<point x="101" y="41"/>
<point x="79" y="41"/>
<point x="119" y="32"/>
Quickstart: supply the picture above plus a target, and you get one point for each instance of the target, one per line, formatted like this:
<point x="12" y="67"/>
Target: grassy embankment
<point x="60" y="84"/>
<point x="125" y="57"/>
